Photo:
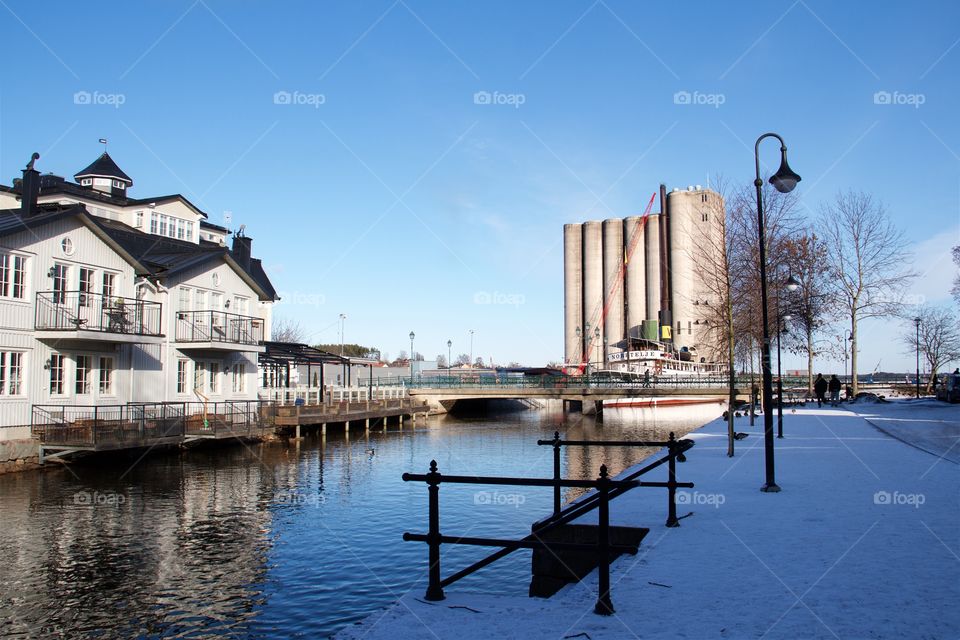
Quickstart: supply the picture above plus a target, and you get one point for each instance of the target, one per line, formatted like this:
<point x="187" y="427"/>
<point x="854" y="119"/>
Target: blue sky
<point x="382" y="190"/>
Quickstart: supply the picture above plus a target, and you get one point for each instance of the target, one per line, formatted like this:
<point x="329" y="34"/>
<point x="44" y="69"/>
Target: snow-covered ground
<point x="863" y="542"/>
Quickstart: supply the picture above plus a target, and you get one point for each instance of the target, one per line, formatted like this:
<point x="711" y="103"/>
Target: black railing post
<point x="604" y="606"/>
<point x="434" y="590"/>
<point x="672" y="520"/>
<point x="556" y="473"/>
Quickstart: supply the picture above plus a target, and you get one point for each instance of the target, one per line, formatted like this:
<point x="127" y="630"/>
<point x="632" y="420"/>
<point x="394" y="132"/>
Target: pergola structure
<point x="279" y="357"/>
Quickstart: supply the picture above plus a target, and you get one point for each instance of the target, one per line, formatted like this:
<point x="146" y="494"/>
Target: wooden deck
<point x="347" y="412"/>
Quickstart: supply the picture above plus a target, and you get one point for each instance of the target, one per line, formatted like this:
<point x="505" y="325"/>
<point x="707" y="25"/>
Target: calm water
<point x="277" y="540"/>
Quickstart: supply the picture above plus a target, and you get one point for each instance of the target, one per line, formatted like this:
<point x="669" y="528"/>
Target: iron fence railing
<point x="81" y="310"/>
<point x="606" y="489"/>
<point x="141" y="423"/>
<point x="108" y="425"/>
<point x="573" y="381"/>
<point x="218" y="326"/>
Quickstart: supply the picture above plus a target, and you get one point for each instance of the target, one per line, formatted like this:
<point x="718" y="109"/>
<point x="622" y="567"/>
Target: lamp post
<point x="449" y="344"/>
<point x="784" y="181"/>
<point x="471" y="348"/>
<point x="343" y="366"/>
<point x="412" y="336"/>
<point x="596" y="345"/>
<point x="916" y="321"/>
<point x="791" y="285"/>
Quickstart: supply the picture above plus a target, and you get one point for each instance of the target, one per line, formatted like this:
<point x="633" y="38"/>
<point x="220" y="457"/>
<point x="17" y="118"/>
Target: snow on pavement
<point x="863" y="542"/>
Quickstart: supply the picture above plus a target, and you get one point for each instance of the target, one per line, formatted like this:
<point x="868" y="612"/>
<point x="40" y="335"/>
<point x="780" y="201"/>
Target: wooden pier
<point x="64" y="430"/>
<point x="346" y="413"/>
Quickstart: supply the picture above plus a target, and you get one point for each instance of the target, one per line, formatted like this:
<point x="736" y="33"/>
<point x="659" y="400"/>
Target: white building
<point x="107" y="299"/>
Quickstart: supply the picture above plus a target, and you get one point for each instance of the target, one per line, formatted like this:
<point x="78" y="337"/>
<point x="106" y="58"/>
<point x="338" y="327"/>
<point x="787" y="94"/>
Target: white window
<point x="240" y="305"/>
<point x="118" y="184"/>
<point x="239" y="377"/>
<point x="86" y="182"/>
<point x="11" y="373"/>
<point x="86" y="287"/>
<point x="189" y="230"/>
<point x="198" y="371"/>
<point x="109" y="279"/>
<point x="61" y="272"/>
<point x="213" y="377"/>
<point x="138" y="219"/>
<point x="13" y="275"/>
<point x="182" y="371"/>
<point x="184" y="299"/>
<point x="82" y="378"/>
<point x="154" y="222"/>
<point x="181" y="229"/>
<point x="56" y="374"/>
<point x="106" y="375"/>
<point x="163" y="225"/>
<point x="199" y="300"/>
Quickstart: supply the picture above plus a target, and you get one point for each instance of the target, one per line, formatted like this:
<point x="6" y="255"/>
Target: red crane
<point x="599" y="315"/>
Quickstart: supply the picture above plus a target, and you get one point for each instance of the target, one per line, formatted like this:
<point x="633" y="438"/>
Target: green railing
<point x="599" y="380"/>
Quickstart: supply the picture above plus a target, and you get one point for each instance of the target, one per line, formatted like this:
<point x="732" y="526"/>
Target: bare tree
<point x="441" y="361"/>
<point x="287" y="330"/>
<point x="711" y="263"/>
<point x="810" y="306"/>
<point x="956" y="280"/>
<point x="867" y="261"/>
<point x="939" y="339"/>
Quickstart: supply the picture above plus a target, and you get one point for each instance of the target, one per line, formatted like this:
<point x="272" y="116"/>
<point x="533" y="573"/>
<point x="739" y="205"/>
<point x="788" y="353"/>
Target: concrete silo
<point x="635" y="284"/>
<point x="696" y="236"/>
<point x="572" y="291"/>
<point x="612" y="332"/>
<point x="592" y="288"/>
<point x="652" y="264"/>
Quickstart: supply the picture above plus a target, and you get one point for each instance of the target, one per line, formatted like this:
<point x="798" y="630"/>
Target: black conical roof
<point x="104" y="166"/>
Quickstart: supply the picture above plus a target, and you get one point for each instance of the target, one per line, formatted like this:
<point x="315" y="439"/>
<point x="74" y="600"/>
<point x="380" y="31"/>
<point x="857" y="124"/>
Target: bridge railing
<point x="604" y="380"/>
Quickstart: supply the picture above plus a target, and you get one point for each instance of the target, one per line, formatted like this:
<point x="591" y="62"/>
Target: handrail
<point x="606" y="490"/>
<point x="88" y="311"/>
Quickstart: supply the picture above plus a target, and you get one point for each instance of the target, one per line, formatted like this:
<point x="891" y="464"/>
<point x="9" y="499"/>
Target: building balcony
<point x="80" y="315"/>
<point x="219" y="331"/>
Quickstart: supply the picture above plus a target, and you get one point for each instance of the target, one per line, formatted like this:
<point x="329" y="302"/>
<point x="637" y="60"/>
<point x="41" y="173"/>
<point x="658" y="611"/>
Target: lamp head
<point x="792" y="284"/>
<point x="784" y="180"/>
<point x="449" y="343"/>
<point x="412" y="335"/>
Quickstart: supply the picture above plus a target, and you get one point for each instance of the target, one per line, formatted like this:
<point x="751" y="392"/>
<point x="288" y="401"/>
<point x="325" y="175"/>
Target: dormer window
<point x="87" y="182"/>
<point x="118" y="184"/>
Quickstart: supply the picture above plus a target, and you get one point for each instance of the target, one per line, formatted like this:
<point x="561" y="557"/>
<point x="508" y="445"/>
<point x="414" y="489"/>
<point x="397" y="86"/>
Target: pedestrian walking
<point x="820" y="389"/>
<point x="835" y="387"/>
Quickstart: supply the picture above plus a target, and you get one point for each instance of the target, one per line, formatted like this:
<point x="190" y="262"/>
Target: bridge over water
<point x="585" y="392"/>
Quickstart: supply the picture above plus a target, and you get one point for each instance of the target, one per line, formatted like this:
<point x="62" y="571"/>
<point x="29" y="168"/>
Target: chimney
<point x="242" y="248"/>
<point x="29" y="187"/>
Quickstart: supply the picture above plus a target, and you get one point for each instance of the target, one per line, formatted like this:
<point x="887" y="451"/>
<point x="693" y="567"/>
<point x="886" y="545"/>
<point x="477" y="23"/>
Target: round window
<point x="216" y="279"/>
<point x="66" y="245"/>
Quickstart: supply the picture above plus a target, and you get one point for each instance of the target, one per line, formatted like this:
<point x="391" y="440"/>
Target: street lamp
<point x="449" y="344"/>
<point x="596" y="345"/>
<point x="791" y="285"/>
<point x="916" y="321"/>
<point x="471" y="348"/>
<point x="343" y="366"/>
<point x="412" y="336"/>
<point x="784" y="181"/>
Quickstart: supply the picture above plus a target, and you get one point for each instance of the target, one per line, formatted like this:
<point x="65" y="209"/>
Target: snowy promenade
<point x="863" y="542"/>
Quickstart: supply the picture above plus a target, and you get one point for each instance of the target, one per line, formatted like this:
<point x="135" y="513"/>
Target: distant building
<point x="643" y="278"/>
<point x="109" y="299"/>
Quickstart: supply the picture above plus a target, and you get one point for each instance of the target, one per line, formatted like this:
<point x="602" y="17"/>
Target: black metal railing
<point x="218" y="326"/>
<point x="125" y="425"/>
<point x="225" y="418"/>
<point x="81" y="310"/>
<point x="606" y="489"/>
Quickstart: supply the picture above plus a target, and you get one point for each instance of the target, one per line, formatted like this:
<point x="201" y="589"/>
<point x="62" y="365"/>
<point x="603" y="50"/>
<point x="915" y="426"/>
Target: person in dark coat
<point x="835" y="387"/>
<point x="820" y="389"/>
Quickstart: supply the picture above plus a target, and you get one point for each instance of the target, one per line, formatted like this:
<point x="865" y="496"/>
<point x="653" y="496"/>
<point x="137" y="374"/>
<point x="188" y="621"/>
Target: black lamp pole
<point x="784" y="181"/>
<point x="916" y="321"/>
<point x="449" y="363"/>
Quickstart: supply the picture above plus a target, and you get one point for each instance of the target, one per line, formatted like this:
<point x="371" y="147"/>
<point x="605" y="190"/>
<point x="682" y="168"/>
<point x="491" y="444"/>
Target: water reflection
<point x="274" y="540"/>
